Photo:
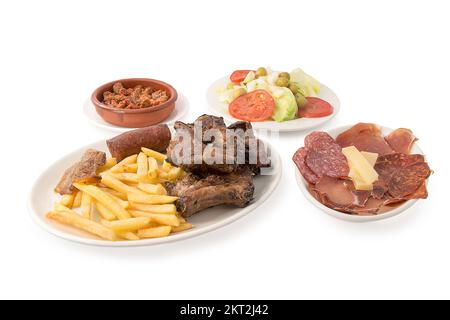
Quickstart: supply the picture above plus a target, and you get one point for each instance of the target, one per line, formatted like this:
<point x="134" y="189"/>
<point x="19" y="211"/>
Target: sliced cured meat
<point x="365" y="137"/>
<point x="371" y="207"/>
<point x="388" y="164"/>
<point x="325" y="157"/>
<point x="340" y="194"/>
<point x="299" y="159"/>
<point x="406" y="181"/>
<point x="401" y="140"/>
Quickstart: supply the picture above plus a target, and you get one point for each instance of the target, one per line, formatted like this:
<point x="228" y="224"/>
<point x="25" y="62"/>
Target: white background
<point x="387" y="60"/>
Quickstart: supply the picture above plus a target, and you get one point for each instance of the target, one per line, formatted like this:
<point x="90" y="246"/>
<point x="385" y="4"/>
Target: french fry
<point x="126" y="161"/>
<point x="128" y="168"/>
<point x="113" y="183"/>
<point x="142" y="170"/>
<point x="152" y="188"/>
<point x="123" y="203"/>
<point x="104" y="212"/>
<point x="127" y="235"/>
<point x="77" y="199"/>
<point x="70" y="218"/>
<point x="118" y="194"/>
<point x="67" y="200"/>
<point x="105" y="199"/>
<point x="152" y="168"/>
<point x="86" y="205"/>
<point x="154" y="208"/>
<point x="150" y="198"/>
<point x="161" y="218"/>
<point x="110" y="162"/>
<point x="182" y="227"/>
<point x="174" y="173"/>
<point x="126" y="225"/>
<point x="155" y="232"/>
<point x="166" y="166"/>
<point x="126" y="177"/>
<point x="154" y="154"/>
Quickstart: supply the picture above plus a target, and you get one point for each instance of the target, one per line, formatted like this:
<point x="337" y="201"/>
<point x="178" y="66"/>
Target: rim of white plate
<point x="39" y="218"/>
<point x="303" y="185"/>
<point x="220" y="108"/>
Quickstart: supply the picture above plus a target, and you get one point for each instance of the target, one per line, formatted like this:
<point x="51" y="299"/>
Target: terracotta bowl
<point x="135" y="118"/>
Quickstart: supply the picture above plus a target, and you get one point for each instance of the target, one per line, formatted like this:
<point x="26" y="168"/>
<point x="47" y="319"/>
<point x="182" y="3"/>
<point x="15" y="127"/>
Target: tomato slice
<point x="316" y="108"/>
<point x="254" y="106"/>
<point x="239" y="75"/>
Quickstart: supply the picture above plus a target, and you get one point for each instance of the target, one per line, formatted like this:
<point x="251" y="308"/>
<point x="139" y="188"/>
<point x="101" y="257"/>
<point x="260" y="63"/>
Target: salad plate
<point x="219" y="107"/>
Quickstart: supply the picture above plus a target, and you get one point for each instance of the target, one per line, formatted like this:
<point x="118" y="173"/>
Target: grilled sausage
<point x="154" y="137"/>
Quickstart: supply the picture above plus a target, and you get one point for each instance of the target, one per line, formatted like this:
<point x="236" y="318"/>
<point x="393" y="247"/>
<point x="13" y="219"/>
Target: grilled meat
<point x="208" y="146"/>
<point x="82" y="171"/>
<point x="197" y="193"/>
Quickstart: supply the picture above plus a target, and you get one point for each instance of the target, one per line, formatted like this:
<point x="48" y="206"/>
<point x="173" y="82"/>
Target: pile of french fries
<point x="128" y="203"/>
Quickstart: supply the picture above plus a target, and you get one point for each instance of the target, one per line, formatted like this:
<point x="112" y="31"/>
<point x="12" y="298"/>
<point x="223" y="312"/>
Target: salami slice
<point x="406" y="181"/>
<point x="299" y="159"/>
<point x="325" y="157"/>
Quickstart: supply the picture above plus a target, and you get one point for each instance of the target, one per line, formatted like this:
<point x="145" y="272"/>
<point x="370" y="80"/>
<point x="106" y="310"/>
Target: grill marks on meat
<point x="402" y="176"/>
<point x="209" y="183"/>
<point x="83" y="171"/>
<point x="209" y="151"/>
<point x="196" y="193"/>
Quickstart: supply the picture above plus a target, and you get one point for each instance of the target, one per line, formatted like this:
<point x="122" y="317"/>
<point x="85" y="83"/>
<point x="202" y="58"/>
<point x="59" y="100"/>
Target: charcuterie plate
<point x="395" y="210"/>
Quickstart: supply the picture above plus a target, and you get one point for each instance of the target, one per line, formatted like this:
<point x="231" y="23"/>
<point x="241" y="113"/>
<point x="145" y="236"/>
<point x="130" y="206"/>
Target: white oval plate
<point x="221" y="109"/>
<point x="303" y="185"/>
<point x="181" y="109"/>
<point x="42" y="198"/>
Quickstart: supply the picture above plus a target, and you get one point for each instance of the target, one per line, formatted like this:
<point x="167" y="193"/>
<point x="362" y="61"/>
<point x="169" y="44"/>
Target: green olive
<point x="230" y="86"/>
<point x="295" y="88"/>
<point x="282" y="82"/>
<point x="285" y="75"/>
<point x="301" y="100"/>
<point x="261" y="72"/>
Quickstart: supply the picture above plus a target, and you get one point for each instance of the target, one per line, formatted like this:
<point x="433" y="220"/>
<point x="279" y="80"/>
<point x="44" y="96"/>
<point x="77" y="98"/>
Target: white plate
<point x="181" y="108"/>
<point x="42" y="198"/>
<point x="221" y="109"/>
<point x="354" y="218"/>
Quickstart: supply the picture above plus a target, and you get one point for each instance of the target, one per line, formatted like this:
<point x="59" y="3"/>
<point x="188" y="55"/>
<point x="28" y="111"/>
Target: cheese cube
<point x="371" y="157"/>
<point x="361" y="171"/>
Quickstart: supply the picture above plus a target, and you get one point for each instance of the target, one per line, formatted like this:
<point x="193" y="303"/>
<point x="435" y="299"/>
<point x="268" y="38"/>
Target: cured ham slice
<point x="401" y="176"/>
<point x="340" y="194"/>
<point x="401" y="140"/>
<point x="365" y="137"/>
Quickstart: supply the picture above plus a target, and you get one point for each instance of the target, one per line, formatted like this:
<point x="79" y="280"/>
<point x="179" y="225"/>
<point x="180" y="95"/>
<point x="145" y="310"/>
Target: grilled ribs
<point x="196" y="193"/>
<point x="209" y="182"/>
<point x="212" y="147"/>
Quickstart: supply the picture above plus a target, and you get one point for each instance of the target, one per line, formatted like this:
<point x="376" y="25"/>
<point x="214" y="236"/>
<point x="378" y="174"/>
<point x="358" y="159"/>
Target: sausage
<point x="325" y="157"/>
<point x="154" y="137"/>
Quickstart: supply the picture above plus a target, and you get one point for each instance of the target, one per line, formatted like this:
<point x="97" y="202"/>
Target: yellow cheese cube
<point x="371" y="157"/>
<point x="361" y="170"/>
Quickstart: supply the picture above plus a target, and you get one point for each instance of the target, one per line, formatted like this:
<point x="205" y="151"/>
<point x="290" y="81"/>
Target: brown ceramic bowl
<point x="135" y="118"/>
